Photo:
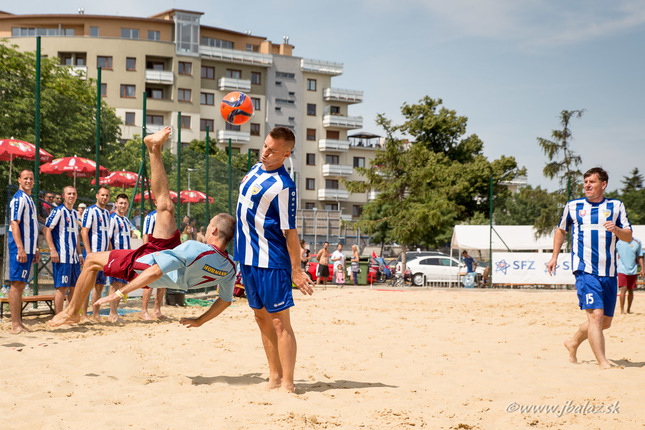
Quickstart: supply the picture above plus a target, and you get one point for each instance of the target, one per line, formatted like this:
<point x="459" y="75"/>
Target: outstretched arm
<point x="146" y="277"/>
<point x="216" y="309"/>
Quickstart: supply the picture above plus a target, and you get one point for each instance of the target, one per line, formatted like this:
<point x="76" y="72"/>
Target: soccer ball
<point x="236" y="108"/>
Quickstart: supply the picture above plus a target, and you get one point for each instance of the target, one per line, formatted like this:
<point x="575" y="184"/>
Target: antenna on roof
<point x="248" y="32"/>
<point x="81" y="11"/>
<point x="285" y="39"/>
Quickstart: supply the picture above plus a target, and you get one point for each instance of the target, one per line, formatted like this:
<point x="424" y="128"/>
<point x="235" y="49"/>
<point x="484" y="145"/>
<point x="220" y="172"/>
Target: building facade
<point x="185" y="67"/>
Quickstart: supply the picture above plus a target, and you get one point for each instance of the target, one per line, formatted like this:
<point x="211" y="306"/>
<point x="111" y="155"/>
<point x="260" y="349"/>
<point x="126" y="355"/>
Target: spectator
<point x="630" y="256"/>
<point x="201" y="236"/>
<point x="471" y="264"/>
<point x="186" y="234"/>
<point x="338" y="257"/>
<point x="323" y="265"/>
<point x="58" y="199"/>
<point x="356" y="268"/>
<point x="81" y="209"/>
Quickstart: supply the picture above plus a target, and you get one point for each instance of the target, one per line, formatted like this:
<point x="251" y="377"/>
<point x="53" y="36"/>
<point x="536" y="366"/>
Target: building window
<point x="129" y="33"/>
<point x="216" y="43"/>
<point x="103" y="90"/>
<point x="311" y="109"/>
<point x="207" y="99"/>
<point x="310" y="205"/>
<point x="154" y="119"/>
<point x="256" y="78"/>
<point x="130" y="64"/>
<point x="333" y="134"/>
<point x="256" y="103"/>
<point x="310" y="184"/>
<point x="285" y="75"/>
<point x="185" y="68"/>
<point x="129" y="118"/>
<point x="332" y="159"/>
<point x="208" y="72"/>
<point x="184" y="95"/>
<point x="311" y="134"/>
<point x="311" y="159"/>
<point x="234" y="151"/>
<point x="357" y="210"/>
<point x="255" y="155"/>
<point x="334" y="110"/>
<point x="311" y="85"/>
<point x="94" y="31"/>
<point x="232" y="127"/>
<point x="232" y="73"/>
<point x="203" y="123"/>
<point x="331" y="184"/>
<point x="154" y="35"/>
<point x="154" y="93"/>
<point x="185" y="121"/>
<point x="255" y="129"/>
<point x="104" y="63"/>
<point x="155" y="65"/>
<point x="359" y="161"/>
<point x="128" y="91"/>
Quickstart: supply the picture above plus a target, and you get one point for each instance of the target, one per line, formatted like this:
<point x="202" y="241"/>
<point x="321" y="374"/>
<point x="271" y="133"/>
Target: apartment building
<point x="184" y="66"/>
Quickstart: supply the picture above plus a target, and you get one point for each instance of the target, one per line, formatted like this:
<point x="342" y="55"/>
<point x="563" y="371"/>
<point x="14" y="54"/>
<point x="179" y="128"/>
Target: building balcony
<point x="232" y="84"/>
<point x="318" y="66"/>
<point x="159" y="77"/>
<point x="340" y="170"/>
<point x="333" y="145"/>
<point x="340" y="95"/>
<point x="327" y="194"/>
<point x="236" y="56"/>
<point x="342" y="121"/>
<point x="238" y="137"/>
<point x="153" y="128"/>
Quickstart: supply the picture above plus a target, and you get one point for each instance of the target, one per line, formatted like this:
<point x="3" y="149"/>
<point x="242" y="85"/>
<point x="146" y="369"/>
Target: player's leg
<point x="597" y="323"/>
<point x="287" y="347"/>
<point x="15" y="306"/>
<point x="147" y="293"/>
<point x="270" y="344"/>
<point x="630" y="299"/>
<point x="161" y="292"/>
<point x="166" y="224"/>
<point x="59" y="298"/>
<point x="97" y="292"/>
<point x="86" y="282"/>
<point x="114" y="305"/>
<point x="623" y="290"/>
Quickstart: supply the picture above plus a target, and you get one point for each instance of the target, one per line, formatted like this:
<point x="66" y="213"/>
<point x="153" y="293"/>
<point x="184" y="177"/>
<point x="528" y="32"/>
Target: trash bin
<point x="364" y="264"/>
<point x="175" y="298"/>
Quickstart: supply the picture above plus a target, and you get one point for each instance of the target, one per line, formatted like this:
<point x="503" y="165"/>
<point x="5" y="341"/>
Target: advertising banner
<point x="530" y="268"/>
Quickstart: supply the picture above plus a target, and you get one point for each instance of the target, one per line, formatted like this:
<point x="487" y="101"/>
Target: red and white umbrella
<point x="137" y="198"/>
<point x="76" y="167"/>
<point x="194" y="196"/>
<point x="12" y="148"/>
<point x="121" y="178"/>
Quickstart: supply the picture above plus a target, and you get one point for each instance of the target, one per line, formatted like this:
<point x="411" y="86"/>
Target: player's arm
<point x="624" y="234"/>
<point x="148" y="276"/>
<point x="216" y="309"/>
<point x="558" y="241"/>
<point x="85" y="234"/>
<point x="17" y="238"/>
<point x="47" y="231"/>
<point x="298" y="275"/>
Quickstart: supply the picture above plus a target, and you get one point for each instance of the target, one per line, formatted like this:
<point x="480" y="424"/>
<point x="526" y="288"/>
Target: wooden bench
<point x="48" y="299"/>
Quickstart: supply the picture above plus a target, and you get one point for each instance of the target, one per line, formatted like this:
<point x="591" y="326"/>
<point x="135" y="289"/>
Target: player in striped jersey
<point x="596" y="223"/>
<point x="148" y="227"/>
<point x="164" y="261"/>
<point x="94" y="230"/>
<point x="268" y="249"/>
<point x="23" y="252"/>
<point x="61" y="234"/>
<point x="119" y="234"/>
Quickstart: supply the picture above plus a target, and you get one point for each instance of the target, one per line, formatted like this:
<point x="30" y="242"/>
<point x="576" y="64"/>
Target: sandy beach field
<point x="367" y="359"/>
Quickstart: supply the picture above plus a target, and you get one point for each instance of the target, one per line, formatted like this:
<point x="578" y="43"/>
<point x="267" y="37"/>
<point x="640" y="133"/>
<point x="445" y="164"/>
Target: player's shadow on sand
<point x="340" y="384"/>
<point x="248" y="379"/>
<point x="627" y="363"/>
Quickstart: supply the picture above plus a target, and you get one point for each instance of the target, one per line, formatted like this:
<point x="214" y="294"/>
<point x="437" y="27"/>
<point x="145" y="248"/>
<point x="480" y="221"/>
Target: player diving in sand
<point x="164" y="261"/>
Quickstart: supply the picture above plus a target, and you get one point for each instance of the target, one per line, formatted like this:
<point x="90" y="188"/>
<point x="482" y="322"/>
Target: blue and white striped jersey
<point x="149" y="222"/>
<point x="194" y="265"/>
<point x="266" y="206"/>
<point x="593" y="248"/>
<point x="64" y="225"/>
<point x="119" y="231"/>
<point x="23" y="210"/>
<point x="98" y="221"/>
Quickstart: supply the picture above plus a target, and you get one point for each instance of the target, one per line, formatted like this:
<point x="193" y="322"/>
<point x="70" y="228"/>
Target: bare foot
<point x="114" y="318"/>
<point x="155" y="141"/>
<point x="287" y="388"/>
<point x="146" y="316"/>
<point x="84" y="319"/>
<point x="96" y="317"/>
<point x="573" y="350"/>
<point x="63" y="318"/>
<point x="19" y="329"/>
<point x="159" y="315"/>
<point x="273" y="384"/>
<point x="605" y="366"/>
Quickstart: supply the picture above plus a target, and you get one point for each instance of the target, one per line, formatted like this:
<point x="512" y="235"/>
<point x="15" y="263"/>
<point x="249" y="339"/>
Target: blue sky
<point x="509" y="66"/>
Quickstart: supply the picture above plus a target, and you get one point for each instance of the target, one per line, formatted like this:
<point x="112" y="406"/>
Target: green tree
<point x="428" y="183"/>
<point x="525" y="206"/>
<point x="633" y="196"/>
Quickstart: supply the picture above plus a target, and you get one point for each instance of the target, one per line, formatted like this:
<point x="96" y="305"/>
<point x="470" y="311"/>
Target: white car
<point x="438" y="268"/>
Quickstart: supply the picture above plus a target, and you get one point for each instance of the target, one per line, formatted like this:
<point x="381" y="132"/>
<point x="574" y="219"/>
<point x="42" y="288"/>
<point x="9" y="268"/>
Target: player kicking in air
<point x="163" y="262"/>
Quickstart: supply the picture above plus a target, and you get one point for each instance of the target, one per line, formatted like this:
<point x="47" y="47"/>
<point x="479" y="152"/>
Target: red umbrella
<point x="12" y="148"/>
<point x="194" y="196"/>
<point x="137" y="198"/>
<point x="76" y="167"/>
<point x="120" y="178"/>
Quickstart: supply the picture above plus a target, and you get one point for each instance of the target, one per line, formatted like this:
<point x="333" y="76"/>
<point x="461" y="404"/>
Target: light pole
<point x="189" y="172"/>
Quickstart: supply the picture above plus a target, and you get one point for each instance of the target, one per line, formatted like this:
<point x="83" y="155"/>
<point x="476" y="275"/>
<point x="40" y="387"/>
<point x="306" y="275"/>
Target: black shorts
<point x="323" y="271"/>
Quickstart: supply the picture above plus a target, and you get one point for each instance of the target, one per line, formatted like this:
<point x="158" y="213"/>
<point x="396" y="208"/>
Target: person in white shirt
<point x="338" y="258"/>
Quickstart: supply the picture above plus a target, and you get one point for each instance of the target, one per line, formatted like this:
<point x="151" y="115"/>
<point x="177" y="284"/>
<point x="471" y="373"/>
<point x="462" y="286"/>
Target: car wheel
<point x="417" y="279"/>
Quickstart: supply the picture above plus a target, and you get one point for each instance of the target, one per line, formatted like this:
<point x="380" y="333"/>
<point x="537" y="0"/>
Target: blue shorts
<point x="101" y="278"/>
<point x="19" y="271"/>
<point x="596" y="292"/>
<point x="66" y="274"/>
<point x="267" y="288"/>
<point x="113" y="280"/>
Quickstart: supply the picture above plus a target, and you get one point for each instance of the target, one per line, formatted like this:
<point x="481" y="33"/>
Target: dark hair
<point x="104" y="188"/>
<point x="285" y="134"/>
<point x="122" y="196"/>
<point x="602" y="175"/>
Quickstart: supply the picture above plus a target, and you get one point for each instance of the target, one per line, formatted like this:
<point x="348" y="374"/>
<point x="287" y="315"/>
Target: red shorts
<point x="123" y="262"/>
<point x="627" y="280"/>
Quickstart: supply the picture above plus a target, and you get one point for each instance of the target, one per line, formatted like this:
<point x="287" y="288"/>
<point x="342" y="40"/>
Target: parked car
<point x="413" y="255"/>
<point x="438" y="268"/>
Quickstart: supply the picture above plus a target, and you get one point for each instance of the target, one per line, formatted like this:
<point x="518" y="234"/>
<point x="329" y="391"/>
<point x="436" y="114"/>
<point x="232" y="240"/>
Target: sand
<point x="367" y="359"/>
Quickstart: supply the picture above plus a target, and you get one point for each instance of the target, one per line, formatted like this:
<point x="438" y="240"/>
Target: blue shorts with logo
<point x="66" y="274"/>
<point x="267" y="288"/>
<point x="596" y="292"/>
<point x="19" y="271"/>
